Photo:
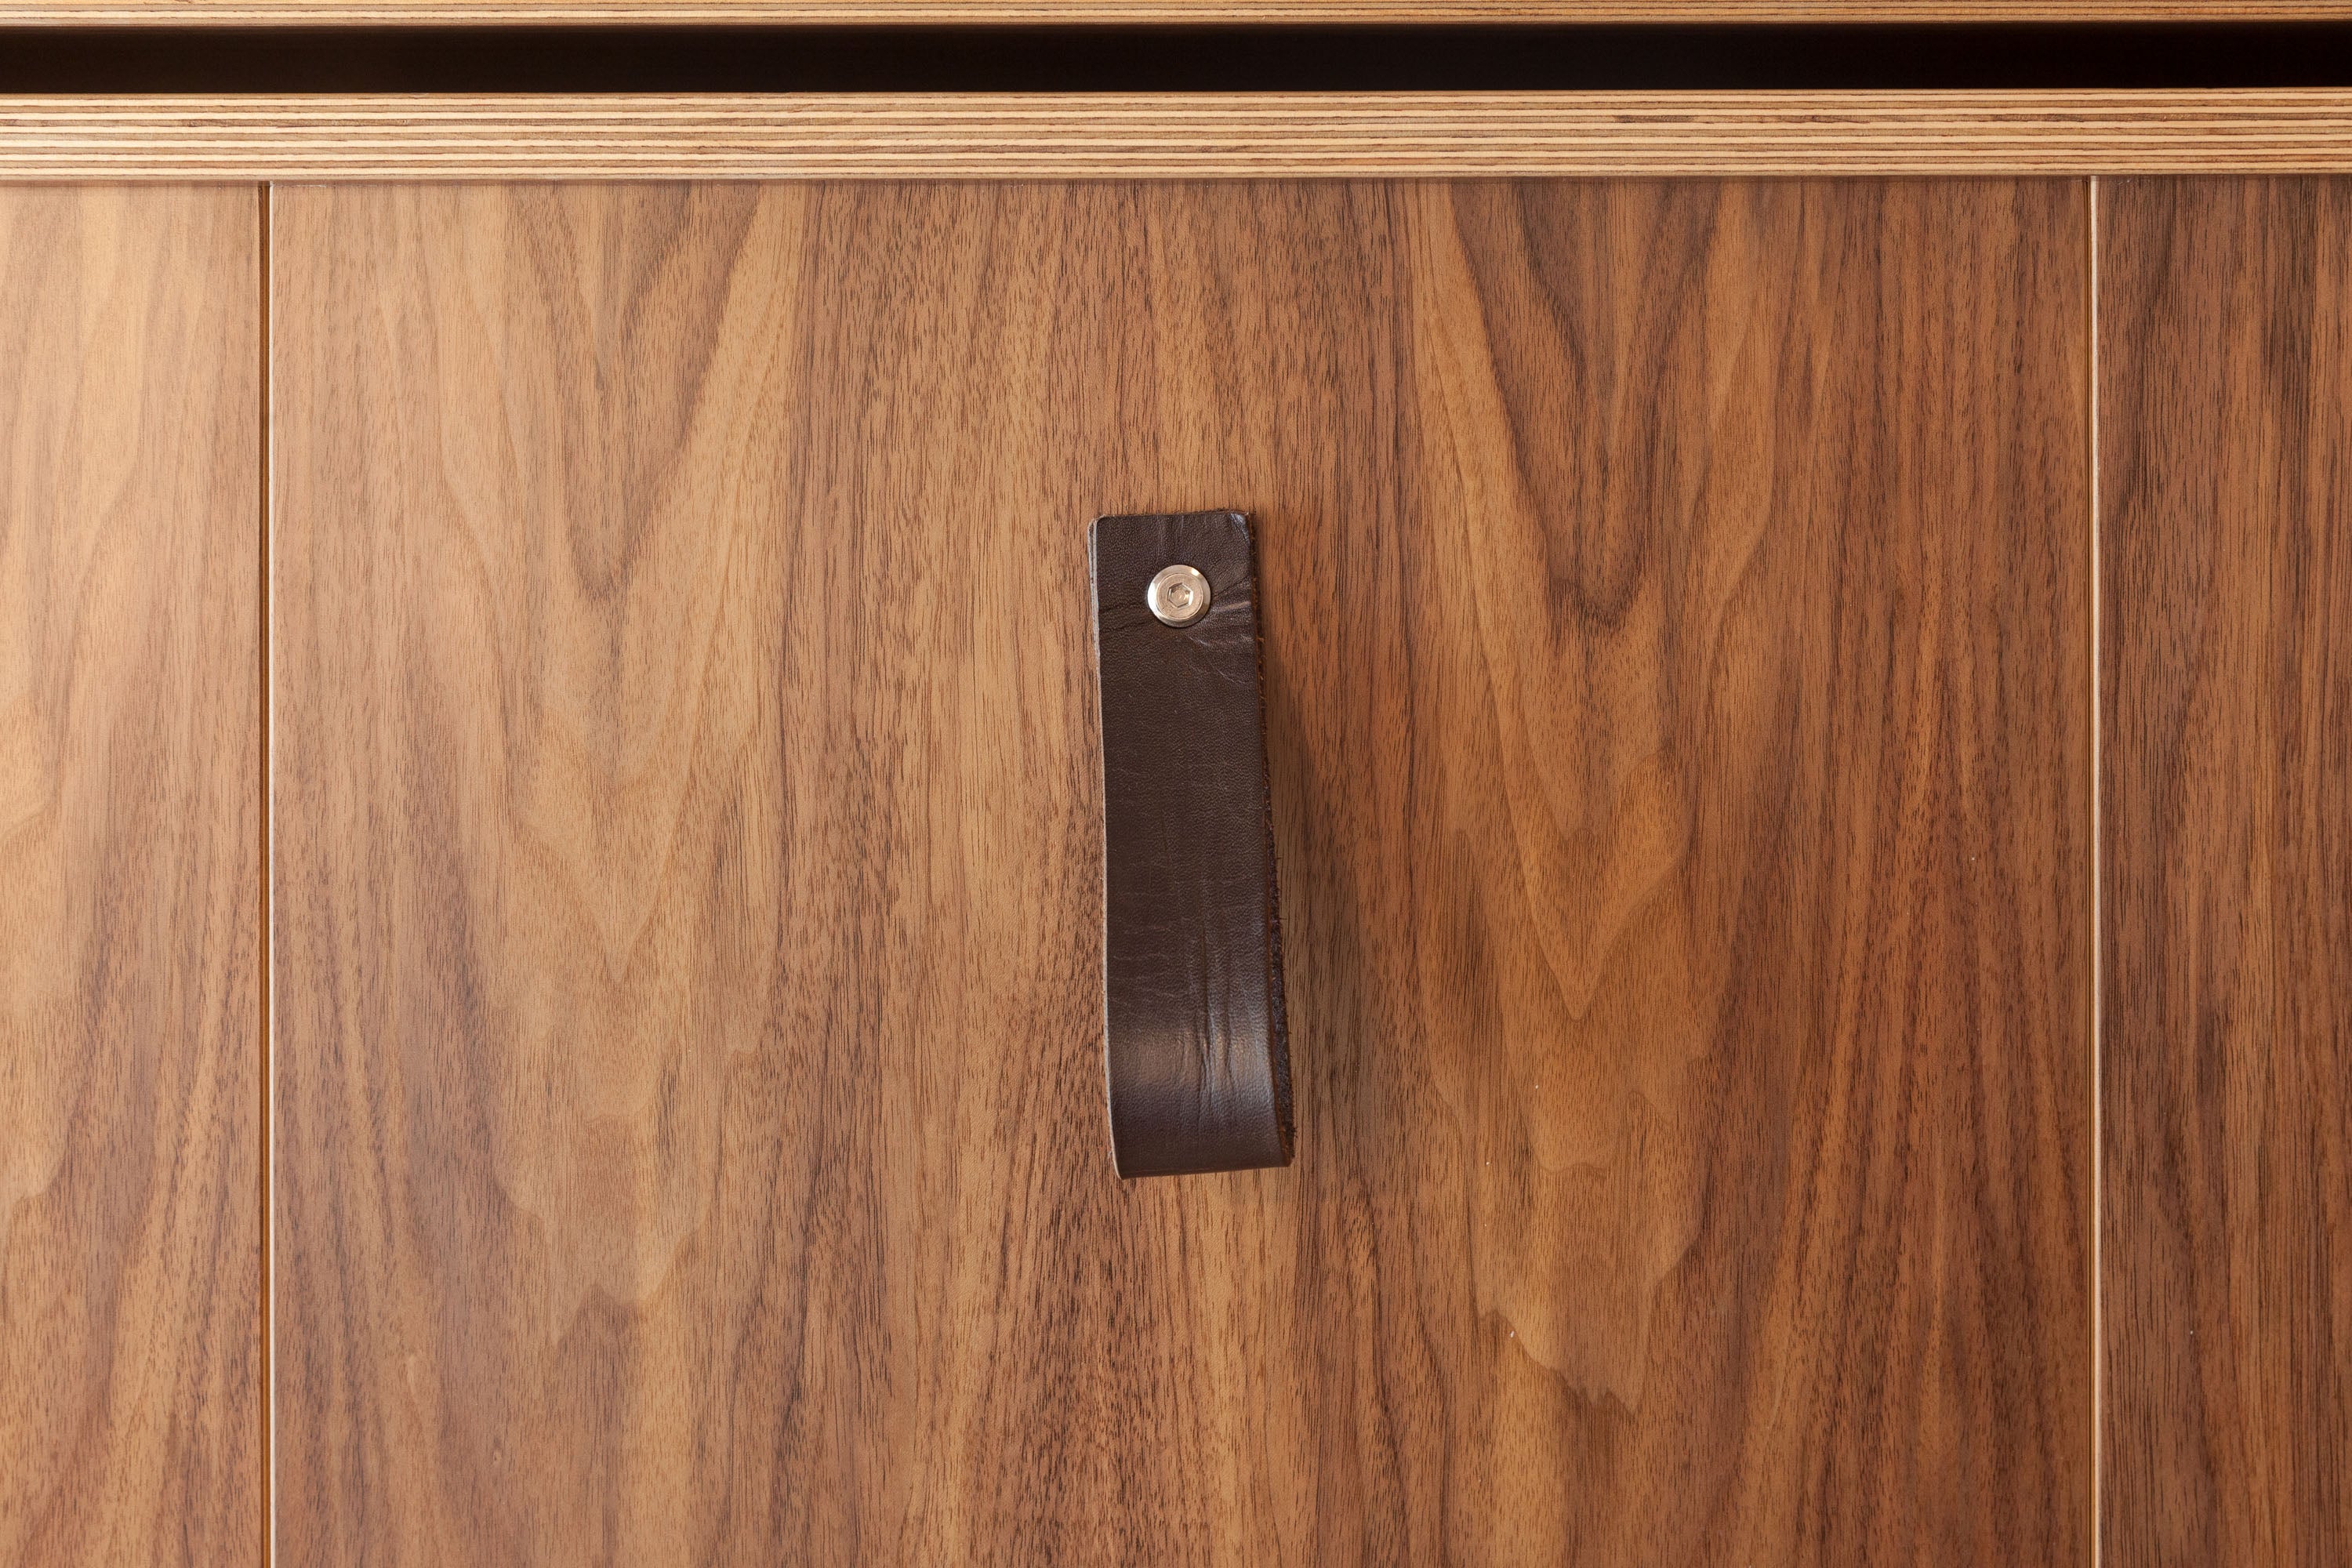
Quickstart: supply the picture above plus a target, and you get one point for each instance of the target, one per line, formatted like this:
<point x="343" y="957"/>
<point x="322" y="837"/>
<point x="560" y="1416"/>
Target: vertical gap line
<point x="2098" y="944"/>
<point x="268" y="907"/>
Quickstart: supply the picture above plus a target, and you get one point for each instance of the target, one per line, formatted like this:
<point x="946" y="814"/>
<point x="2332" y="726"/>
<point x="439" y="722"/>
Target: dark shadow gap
<point x="1146" y="59"/>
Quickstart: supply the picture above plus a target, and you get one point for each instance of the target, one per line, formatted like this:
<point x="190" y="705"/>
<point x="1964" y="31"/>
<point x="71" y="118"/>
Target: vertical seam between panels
<point x="268" y="905"/>
<point x="2098" y="937"/>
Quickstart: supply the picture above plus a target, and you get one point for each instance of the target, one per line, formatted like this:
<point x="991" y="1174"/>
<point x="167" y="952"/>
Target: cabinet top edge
<point x="1018" y="136"/>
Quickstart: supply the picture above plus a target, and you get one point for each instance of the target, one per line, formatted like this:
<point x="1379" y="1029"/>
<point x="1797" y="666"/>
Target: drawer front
<point x="132" y="1391"/>
<point x="2226" y="701"/>
<point x="690" y="1141"/>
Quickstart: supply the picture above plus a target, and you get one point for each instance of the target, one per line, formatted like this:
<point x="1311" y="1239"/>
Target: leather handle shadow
<point x="1194" y="1050"/>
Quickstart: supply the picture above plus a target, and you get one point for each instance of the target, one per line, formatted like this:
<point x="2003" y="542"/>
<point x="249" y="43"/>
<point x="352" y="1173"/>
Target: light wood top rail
<point x="249" y="13"/>
<point x="1171" y="136"/>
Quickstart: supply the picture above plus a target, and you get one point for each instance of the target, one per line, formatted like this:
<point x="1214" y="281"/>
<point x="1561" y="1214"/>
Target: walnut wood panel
<point x="130" y="1409"/>
<point x="1020" y="136"/>
<point x="2226" y="343"/>
<point x="691" y="1125"/>
<point x="262" y="13"/>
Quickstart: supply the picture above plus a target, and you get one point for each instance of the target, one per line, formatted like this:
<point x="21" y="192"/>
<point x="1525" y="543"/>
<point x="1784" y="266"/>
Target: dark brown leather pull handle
<point x="1193" y="1045"/>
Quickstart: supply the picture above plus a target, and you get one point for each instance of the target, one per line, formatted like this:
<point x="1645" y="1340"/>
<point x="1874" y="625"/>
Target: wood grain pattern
<point x="2226" y="351"/>
<point x="130" y="1406"/>
<point x="689" y="1105"/>
<point x="264" y="13"/>
<point x="1018" y="136"/>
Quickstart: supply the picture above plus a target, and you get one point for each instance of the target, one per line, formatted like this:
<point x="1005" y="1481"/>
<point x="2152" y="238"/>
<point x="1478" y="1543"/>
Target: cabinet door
<point x="689" y="1134"/>
<point x="132" y="1409"/>
<point x="2226" y="372"/>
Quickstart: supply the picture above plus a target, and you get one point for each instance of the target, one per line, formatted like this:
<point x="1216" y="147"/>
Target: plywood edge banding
<point x="1173" y="136"/>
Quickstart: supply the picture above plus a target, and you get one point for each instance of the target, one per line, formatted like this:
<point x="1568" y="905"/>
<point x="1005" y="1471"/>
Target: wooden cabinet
<point x="558" y="1002"/>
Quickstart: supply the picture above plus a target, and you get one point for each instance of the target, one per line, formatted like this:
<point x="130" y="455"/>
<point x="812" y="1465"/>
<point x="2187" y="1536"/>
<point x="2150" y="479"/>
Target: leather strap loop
<point x="1195" y="1047"/>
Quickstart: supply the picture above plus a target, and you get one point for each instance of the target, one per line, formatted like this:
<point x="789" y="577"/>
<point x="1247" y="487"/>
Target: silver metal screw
<point x="1179" y="595"/>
